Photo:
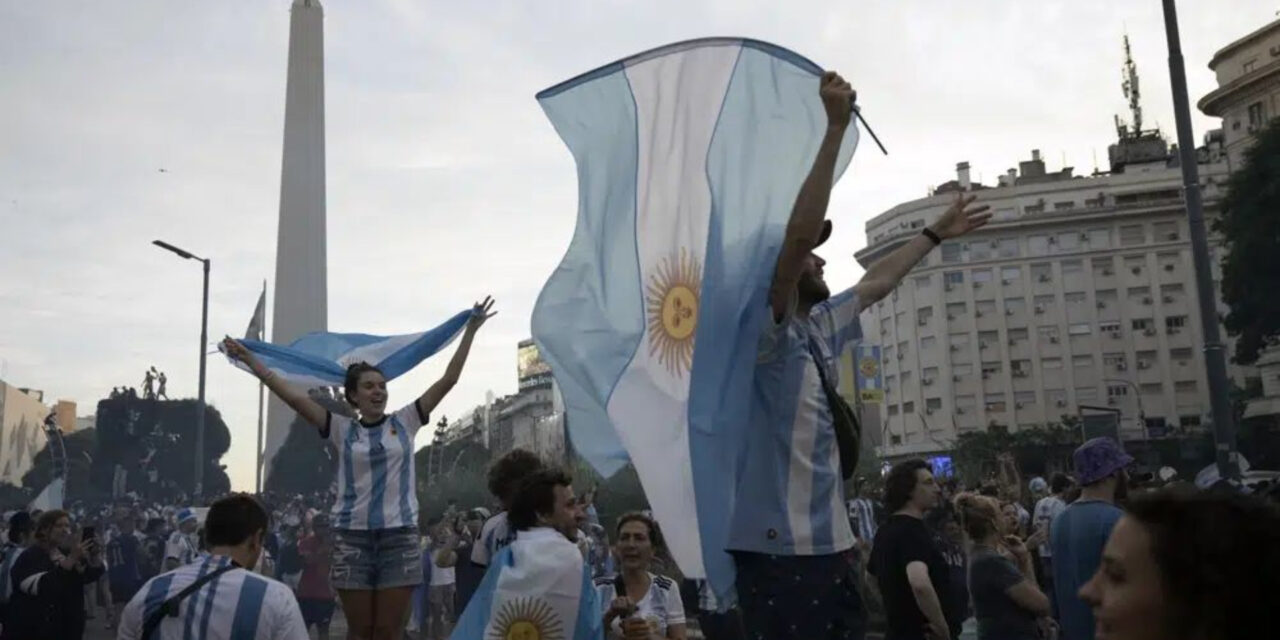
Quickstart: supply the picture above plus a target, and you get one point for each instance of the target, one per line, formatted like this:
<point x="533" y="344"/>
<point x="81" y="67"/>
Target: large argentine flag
<point x="689" y="160"/>
<point x="320" y="358"/>
<point x="539" y="588"/>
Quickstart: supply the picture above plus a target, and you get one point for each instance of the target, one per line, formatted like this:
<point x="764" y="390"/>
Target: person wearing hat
<point x="1080" y="532"/>
<point x="20" y="533"/>
<point x="183" y="546"/>
<point x="789" y="533"/>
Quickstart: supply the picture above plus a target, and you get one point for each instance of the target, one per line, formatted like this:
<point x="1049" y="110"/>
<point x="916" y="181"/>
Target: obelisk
<point x="301" y="287"/>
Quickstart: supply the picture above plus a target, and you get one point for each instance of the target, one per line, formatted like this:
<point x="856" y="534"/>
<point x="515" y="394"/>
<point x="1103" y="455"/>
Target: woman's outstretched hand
<point x="480" y="313"/>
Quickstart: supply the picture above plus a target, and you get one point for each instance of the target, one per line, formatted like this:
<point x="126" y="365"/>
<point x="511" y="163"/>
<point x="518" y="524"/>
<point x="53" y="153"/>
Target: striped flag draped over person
<point x="689" y="160"/>
<point x="538" y="588"/>
<point x="320" y="359"/>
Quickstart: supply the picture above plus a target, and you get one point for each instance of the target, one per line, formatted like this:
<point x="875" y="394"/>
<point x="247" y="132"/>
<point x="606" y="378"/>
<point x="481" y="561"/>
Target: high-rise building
<point x="301" y="284"/>
<point x="1080" y="292"/>
<point x="1248" y="93"/>
<point x="65" y="414"/>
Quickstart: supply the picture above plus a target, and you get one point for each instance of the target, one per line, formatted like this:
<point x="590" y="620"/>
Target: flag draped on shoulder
<point x="320" y="358"/>
<point x="689" y="161"/>
<point x="538" y="587"/>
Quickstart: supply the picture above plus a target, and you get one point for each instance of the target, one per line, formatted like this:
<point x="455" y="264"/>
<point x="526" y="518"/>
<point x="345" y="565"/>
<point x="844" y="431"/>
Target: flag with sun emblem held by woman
<point x="689" y="159"/>
<point x="538" y="588"/>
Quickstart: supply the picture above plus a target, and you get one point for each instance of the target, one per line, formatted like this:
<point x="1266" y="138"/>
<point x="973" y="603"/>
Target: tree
<point x="81" y="446"/>
<point x="1250" y="232"/>
<point x="306" y="462"/>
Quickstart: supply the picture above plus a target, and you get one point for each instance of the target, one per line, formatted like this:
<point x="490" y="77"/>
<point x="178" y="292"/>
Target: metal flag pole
<point x="261" y="389"/>
<point x="1214" y="352"/>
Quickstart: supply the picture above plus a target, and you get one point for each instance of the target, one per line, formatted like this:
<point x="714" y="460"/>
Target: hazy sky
<point x="445" y="181"/>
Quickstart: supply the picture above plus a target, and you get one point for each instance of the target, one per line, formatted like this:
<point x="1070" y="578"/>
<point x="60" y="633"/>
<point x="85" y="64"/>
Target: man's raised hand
<point x="837" y="98"/>
<point x="961" y="218"/>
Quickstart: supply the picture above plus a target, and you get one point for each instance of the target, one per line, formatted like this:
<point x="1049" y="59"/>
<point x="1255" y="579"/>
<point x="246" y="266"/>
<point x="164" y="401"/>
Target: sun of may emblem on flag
<point x="526" y="619"/>
<point x="671" y="303"/>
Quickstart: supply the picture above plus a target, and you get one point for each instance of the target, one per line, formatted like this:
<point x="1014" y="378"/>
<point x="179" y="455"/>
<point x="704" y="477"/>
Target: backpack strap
<point x="170" y="607"/>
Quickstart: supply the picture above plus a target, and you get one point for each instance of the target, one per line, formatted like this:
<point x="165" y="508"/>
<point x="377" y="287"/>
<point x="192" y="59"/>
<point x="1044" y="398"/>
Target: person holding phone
<point x="49" y="580"/>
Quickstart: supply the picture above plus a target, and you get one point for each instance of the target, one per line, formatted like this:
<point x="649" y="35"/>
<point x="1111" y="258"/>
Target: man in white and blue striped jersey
<point x="232" y="602"/>
<point x="790" y="532"/>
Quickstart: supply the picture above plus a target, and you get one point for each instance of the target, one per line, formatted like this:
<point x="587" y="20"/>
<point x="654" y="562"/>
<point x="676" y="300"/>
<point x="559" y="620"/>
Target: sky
<point x="125" y="122"/>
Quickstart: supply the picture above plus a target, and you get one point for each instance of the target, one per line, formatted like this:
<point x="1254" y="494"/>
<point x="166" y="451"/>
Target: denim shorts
<point x="376" y="559"/>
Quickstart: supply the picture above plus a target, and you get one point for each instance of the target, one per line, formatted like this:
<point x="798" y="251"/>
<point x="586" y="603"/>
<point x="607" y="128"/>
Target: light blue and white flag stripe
<point x="320" y="358"/>
<point x="689" y="160"/>
<point x="538" y="587"/>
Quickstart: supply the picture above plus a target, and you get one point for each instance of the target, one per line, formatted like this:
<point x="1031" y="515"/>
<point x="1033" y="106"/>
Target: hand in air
<point x="234" y="349"/>
<point x="837" y="98"/>
<point x="961" y="218"/>
<point x="480" y="313"/>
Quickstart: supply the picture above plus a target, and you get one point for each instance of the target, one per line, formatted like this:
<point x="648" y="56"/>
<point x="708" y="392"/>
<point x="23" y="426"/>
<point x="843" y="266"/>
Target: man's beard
<point x="812" y="290"/>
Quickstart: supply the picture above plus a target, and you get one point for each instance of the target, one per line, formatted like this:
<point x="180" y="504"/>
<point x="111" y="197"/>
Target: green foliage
<point x="1040" y="449"/>
<point x="305" y="462"/>
<point x="12" y="497"/>
<point x="615" y="495"/>
<point x="81" y="446"/>
<point x="1250" y="230"/>
<point x="461" y="476"/>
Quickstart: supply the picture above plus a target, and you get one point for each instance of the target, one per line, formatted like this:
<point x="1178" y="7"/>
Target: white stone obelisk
<point x="301" y="297"/>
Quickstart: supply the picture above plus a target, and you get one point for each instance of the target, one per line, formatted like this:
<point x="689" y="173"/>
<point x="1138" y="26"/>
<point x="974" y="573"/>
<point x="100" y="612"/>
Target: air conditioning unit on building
<point x="926" y="381"/>
<point x="1008" y="312"/>
<point x="923" y="321"/>
<point x="1143" y="364"/>
<point x="886" y="360"/>
<point x="977" y="285"/>
<point x="1146" y="300"/>
<point x="1115" y="335"/>
<point x="1017" y="405"/>
<point x="977" y="314"/>
<point x="928" y="411"/>
<point x="982" y="345"/>
<point x="1006" y="282"/>
<point x="1102" y="305"/>
<point x="955" y="378"/>
<point x="1039" y="309"/>
<point x="900" y="355"/>
<point x="955" y="347"/>
<point x="960" y="411"/>
<point x="1120" y="366"/>
<point x="1167" y="299"/>
<point x="1108" y="272"/>
<point x="1044" y="277"/>
<point x="1173" y="235"/>
<point x="1084" y="236"/>
<point x="951" y="316"/>
<point x="1168" y="267"/>
<point x="1149" y="332"/>
<point x="1012" y="342"/>
<point x="1019" y="373"/>
<point x="1111" y="401"/>
<point x="1061" y="403"/>
<point x="1136" y="271"/>
<point x="949" y="286"/>
<point x="1053" y="240"/>
<point x="986" y="375"/>
<point x="1053" y="339"/>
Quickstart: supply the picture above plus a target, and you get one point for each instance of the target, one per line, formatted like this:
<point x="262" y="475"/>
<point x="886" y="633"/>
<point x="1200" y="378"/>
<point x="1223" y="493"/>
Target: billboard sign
<point x="866" y="360"/>
<point x="531" y="369"/>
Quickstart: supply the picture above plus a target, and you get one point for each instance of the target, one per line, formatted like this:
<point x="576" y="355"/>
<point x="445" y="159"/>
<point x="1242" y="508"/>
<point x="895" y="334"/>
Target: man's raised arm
<point x="810" y="210"/>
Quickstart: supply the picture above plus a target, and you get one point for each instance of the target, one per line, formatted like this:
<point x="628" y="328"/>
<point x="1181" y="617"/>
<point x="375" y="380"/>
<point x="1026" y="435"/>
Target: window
<point x="965" y="404"/>
<point x="924" y="282"/>
<point x="1068" y="241"/>
<point x="1098" y="239"/>
<point x="1081" y="362"/>
<point x="900" y="318"/>
<point x="1086" y="394"/>
<point x="1043" y="304"/>
<point x="1146" y="359"/>
<point x="908" y="408"/>
<point x="1134" y="264"/>
<point x="1117" y="390"/>
<point x="1080" y="329"/>
<point x="1010" y="275"/>
<point x="991" y="369"/>
<point x="1038" y="245"/>
<point x="1170" y="292"/>
<point x="1076" y="298"/>
<point x="924" y="315"/>
<point x="1189" y="420"/>
<point x="933" y="404"/>
<point x="1180" y="356"/>
<point x="887" y="354"/>
<point x="1255" y="115"/>
<point x="1103" y="267"/>
<point x="1151" y="389"/>
<point x="1024" y="399"/>
<point x="956" y="310"/>
<point x="893" y="410"/>
<point x="1050" y="363"/>
<point x="1140" y="295"/>
<point x="984" y="308"/>
<point x="1014" y="306"/>
<point x="1168" y="261"/>
<point x="930" y="373"/>
<point x="1064" y="206"/>
<point x="886" y="323"/>
<point x="1042" y="272"/>
<point x="1166" y="231"/>
<point x="979" y="250"/>
<point x="1017" y="335"/>
<point x="953" y="277"/>
<point x="959" y="339"/>
<point x="903" y="348"/>
<point x="1173" y="325"/>
<point x="1007" y="247"/>
<point x="952" y="252"/>
<point x="1055" y="397"/>
<point x="994" y="403"/>
<point x="962" y="370"/>
<point x="1047" y="334"/>
<point x="1110" y="327"/>
<point x="1131" y="235"/>
<point x="1106" y="298"/>
<point x="1020" y="368"/>
<point x="916" y="224"/>
<point x="988" y="339"/>
<point x="1072" y="267"/>
<point x="1114" y="360"/>
<point x="1186" y="386"/>
<point x="1247" y="67"/>
<point x="927" y="343"/>
<point x="981" y="276"/>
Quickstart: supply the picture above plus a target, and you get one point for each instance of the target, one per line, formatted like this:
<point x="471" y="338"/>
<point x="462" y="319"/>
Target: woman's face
<point x="60" y="534"/>
<point x="1009" y="515"/>
<point x="370" y="396"/>
<point x="634" y="548"/>
<point x="1126" y="593"/>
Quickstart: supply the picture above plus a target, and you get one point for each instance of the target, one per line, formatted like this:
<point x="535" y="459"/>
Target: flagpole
<point x="261" y="389"/>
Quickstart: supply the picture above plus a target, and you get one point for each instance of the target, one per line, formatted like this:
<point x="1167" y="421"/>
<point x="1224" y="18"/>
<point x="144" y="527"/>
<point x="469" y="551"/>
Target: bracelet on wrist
<point x="928" y="233"/>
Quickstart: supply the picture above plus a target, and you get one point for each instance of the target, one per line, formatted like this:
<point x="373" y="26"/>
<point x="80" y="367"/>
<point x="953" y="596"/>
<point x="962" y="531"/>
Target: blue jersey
<point x="123" y="567"/>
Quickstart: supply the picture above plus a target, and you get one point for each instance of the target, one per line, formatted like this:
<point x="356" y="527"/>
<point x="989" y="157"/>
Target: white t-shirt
<point x="441" y="576"/>
<point x="1047" y="509"/>
<point x="182" y="547"/>
<point x="661" y="606"/>
<point x="494" y="535"/>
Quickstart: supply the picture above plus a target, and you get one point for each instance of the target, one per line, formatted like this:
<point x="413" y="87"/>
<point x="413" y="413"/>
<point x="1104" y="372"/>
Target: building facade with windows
<point x="1248" y="93"/>
<point x="1079" y="293"/>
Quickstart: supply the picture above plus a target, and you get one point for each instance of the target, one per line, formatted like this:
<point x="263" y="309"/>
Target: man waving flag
<point x="689" y="160"/>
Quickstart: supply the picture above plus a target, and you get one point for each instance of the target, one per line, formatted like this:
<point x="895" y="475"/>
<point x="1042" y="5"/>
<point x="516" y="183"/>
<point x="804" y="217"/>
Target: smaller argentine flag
<point x="538" y="588"/>
<point x="320" y="359"/>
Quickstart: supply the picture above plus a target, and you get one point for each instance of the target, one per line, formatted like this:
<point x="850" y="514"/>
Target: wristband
<point x="928" y="233"/>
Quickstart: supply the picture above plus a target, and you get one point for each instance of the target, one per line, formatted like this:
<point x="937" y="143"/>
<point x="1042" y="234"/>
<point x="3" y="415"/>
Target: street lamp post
<point x="204" y="340"/>
<point x="1137" y="393"/>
